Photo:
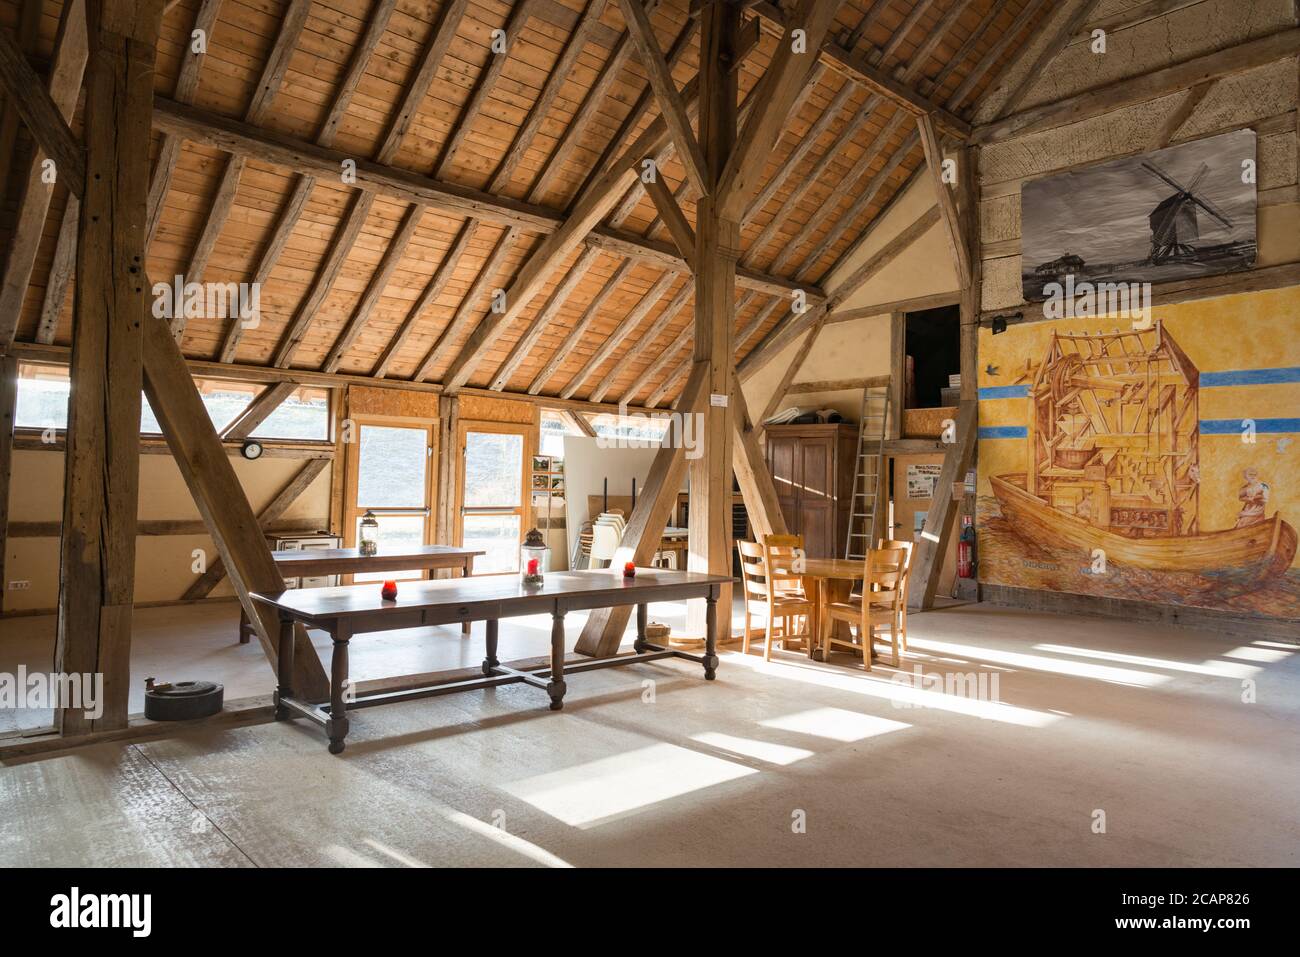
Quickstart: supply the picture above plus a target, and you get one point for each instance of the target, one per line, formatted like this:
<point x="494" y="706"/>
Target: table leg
<point x="337" y="725"/>
<point x="284" y="667"/>
<point x="244" y="625"/>
<point x="711" y="633"/>
<point x="490" y="662"/>
<point x="555" y="688"/>
<point x="466" y="571"/>
<point x="642" y="618"/>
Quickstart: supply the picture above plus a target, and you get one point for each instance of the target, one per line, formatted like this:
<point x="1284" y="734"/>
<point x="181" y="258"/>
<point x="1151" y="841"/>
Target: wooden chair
<point x="878" y="606"/>
<point x="906" y="584"/>
<point x="764" y="590"/>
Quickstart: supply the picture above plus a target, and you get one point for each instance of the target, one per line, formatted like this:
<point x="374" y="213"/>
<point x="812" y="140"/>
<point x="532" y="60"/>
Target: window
<point x="554" y="427"/>
<point x="492" y="499"/>
<point x="390" y="475"/>
<point x="42" y="403"/>
<point x="304" y="416"/>
<point x="638" y="428"/>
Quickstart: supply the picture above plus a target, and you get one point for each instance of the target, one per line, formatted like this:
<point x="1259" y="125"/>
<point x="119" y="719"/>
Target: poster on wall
<point x="921" y="480"/>
<point x="1155" y="464"/>
<point x="1175" y="213"/>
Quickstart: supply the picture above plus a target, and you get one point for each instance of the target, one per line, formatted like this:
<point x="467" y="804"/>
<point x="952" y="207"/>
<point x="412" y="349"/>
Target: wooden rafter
<point x="580" y="327"/>
<point x="672" y="107"/>
<point x="258" y="411"/>
<point x="947" y="204"/>
<point x="64" y="84"/>
<point x="1050" y="50"/>
<point x="774" y="97"/>
<point x="615" y="338"/>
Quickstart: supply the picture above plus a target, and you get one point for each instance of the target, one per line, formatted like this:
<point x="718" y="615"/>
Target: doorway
<point x="390" y="473"/>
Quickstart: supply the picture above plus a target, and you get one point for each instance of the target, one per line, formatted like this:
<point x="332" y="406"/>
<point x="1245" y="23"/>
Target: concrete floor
<point x="788" y="763"/>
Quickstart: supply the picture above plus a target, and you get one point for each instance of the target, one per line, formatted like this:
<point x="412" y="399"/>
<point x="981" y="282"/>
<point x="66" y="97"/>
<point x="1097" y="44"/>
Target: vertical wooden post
<point x="8" y="399"/>
<point x="97" y="558"/>
<point x="717" y="248"/>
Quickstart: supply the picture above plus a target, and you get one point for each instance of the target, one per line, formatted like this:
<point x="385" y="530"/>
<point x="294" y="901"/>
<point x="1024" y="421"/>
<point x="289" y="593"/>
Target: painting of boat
<point x="1262" y="550"/>
<point x="1113" y="462"/>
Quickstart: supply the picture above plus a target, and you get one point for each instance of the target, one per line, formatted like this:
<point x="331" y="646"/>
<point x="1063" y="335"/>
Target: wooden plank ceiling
<point x="367" y="281"/>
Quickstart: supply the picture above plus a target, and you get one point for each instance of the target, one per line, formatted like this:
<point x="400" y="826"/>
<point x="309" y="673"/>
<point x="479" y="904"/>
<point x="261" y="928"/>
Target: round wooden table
<point x="827" y="580"/>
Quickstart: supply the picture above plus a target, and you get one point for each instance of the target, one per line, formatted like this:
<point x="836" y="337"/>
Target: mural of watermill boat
<point x="1113" y="462"/>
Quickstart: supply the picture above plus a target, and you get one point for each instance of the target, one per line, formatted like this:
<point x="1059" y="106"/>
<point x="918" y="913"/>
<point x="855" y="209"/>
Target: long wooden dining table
<point x="348" y="610"/>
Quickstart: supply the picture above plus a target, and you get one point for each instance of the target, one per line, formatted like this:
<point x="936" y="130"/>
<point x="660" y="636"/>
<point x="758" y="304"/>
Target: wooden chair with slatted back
<point x="907" y="548"/>
<point x="786" y="599"/>
<point x="877" y="607"/>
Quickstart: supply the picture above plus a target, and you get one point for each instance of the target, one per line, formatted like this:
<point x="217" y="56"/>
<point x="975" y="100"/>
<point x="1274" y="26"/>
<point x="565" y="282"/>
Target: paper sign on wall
<point x="921" y="480"/>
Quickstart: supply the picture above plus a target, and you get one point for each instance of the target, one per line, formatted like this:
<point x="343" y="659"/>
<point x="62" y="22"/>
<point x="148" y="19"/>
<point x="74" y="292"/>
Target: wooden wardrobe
<point x="812" y="466"/>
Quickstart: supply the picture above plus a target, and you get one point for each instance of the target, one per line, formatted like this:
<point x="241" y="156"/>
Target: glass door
<point x="390" y="473"/>
<point x="493" y="498"/>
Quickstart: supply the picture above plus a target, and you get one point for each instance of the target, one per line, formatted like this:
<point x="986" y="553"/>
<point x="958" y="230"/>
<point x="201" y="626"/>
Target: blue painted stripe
<point x="1004" y="392"/>
<point x="1003" y="432"/>
<point x="1234" y="426"/>
<point x="1209" y="380"/>
<point x="1251" y="376"/>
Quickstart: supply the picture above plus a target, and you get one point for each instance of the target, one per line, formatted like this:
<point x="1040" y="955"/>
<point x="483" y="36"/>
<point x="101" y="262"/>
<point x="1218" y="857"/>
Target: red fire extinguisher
<point x="966" y="549"/>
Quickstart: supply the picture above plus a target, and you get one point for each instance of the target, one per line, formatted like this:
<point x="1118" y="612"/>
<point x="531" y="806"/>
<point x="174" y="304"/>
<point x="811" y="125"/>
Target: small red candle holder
<point x="629" y="570"/>
<point x="389" y="591"/>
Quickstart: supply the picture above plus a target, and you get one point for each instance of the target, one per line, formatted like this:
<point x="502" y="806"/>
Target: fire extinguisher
<point x="966" y="549"/>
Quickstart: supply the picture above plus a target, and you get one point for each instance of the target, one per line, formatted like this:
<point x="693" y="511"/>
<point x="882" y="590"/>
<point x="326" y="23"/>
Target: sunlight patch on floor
<point x="781" y="754"/>
<point x="836" y="724"/>
<point x="1075" y="669"/>
<point x="587" y="795"/>
<point x="1212" y="668"/>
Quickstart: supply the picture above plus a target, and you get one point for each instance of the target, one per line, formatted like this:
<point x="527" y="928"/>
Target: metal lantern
<point x="532" y="558"/>
<point x="368" y="536"/>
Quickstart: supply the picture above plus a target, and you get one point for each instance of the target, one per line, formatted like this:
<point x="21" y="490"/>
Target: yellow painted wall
<point x="163" y="562"/>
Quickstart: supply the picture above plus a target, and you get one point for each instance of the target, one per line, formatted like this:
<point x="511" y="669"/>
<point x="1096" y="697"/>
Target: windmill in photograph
<point x="1118" y="224"/>
<point x="1174" y="226"/>
<point x="1113" y="461"/>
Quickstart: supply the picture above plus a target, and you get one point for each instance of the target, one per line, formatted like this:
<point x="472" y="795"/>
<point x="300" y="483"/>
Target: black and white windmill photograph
<point x="1175" y="213"/>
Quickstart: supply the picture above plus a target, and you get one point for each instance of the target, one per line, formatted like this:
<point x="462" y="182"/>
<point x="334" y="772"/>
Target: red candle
<point x="629" y="570"/>
<point x="389" y="592"/>
<point x="532" y="566"/>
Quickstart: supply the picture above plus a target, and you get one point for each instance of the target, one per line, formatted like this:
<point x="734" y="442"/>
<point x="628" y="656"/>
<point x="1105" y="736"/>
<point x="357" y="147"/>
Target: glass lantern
<point x="368" y="534"/>
<point x="532" y="558"/>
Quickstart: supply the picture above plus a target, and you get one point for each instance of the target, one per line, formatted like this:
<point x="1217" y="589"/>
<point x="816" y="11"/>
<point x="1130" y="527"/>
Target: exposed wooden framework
<point x="556" y="274"/>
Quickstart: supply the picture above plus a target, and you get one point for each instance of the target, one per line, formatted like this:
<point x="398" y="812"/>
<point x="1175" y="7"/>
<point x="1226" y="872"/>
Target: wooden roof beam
<point x="432" y="290"/>
<point x="579" y="328"/>
<point x="666" y="315"/>
<point x="773" y="98"/>
<point x="1139" y="89"/>
<point x="574" y="275"/>
<point x="615" y="339"/>
<point x="70" y="54"/>
<point x="672" y="108"/>
<point x="874" y="77"/>
<point x="201" y="126"/>
<point x="947" y="204"/>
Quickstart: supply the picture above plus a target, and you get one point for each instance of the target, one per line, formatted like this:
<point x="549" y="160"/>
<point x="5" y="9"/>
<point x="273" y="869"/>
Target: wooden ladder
<point x="868" y="471"/>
